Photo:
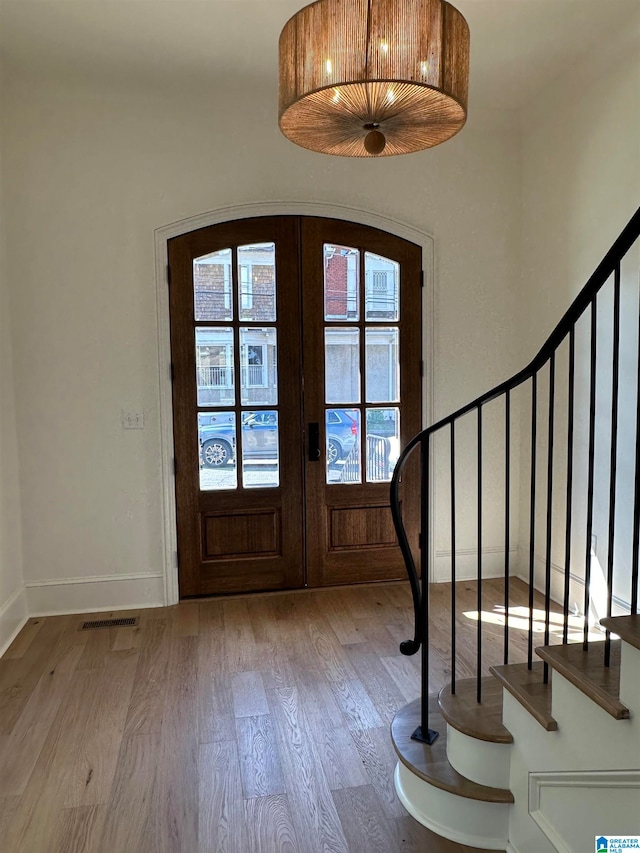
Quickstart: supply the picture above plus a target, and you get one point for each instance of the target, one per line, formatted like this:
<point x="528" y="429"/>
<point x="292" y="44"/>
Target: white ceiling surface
<point x="517" y="46"/>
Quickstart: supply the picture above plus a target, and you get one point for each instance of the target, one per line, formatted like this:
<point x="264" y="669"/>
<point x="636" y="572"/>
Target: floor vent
<point x="109" y="623"/>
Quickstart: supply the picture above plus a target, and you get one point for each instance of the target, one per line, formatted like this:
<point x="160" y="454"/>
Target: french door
<point x="296" y="379"/>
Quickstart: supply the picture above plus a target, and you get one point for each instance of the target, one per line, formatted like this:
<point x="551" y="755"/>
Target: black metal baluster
<point x="569" y="510"/>
<point x="547" y="574"/>
<point x="479" y="650"/>
<point x="453" y="557"/>
<point x="614" y="454"/>
<point x="424" y="578"/>
<point x="635" y="556"/>
<point x="592" y="440"/>
<point x="532" y="513"/>
<point x="423" y="732"/>
<point x="586" y="300"/>
<point x="507" y="507"/>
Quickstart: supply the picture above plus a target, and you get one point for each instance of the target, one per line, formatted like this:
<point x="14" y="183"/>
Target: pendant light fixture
<point x="369" y="78"/>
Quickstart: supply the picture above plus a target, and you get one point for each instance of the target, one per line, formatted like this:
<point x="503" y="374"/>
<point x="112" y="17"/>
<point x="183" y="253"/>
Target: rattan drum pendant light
<point x="367" y="78"/>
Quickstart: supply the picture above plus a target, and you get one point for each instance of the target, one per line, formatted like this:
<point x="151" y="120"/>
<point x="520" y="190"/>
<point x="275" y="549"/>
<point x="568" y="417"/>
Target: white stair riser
<point x="630" y="676"/>
<point x="587" y="737"/>
<point x="482" y="762"/>
<point x="611" y="743"/>
<point x="470" y="822"/>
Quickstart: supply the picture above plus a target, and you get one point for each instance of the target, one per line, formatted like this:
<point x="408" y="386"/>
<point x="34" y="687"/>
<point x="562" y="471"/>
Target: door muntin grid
<point x="362" y="362"/>
<point x="235" y="296"/>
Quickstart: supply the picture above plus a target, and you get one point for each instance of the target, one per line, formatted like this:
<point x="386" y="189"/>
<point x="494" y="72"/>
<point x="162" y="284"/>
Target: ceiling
<point x="517" y="46"/>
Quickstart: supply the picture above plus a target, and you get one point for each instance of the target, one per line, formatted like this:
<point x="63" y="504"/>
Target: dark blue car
<point x="217" y="434"/>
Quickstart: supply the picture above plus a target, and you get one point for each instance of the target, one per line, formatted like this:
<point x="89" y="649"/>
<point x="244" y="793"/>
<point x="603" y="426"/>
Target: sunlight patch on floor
<point x="519" y="619"/>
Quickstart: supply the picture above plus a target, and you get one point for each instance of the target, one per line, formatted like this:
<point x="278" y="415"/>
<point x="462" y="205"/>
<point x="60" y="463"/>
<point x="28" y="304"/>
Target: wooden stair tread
<point x="430" y="763"/>
<point x="626" y="627"/>
<point x="527" y="686"/>
<point x="587" y="672"/>
<point x="462" y="711"/>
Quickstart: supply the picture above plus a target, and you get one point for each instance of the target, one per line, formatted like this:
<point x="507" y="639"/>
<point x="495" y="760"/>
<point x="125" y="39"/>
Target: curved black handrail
<point x="603" y="272"/>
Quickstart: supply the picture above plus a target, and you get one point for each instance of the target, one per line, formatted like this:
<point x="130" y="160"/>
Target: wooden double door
<point x="296" y="347"/>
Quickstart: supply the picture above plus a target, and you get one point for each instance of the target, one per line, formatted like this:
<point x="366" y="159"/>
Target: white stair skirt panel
<point x="479" y="760"/>
<point x="570" y="808"/>
<point x="570" y="783"/>
<point x="471" y="822"/>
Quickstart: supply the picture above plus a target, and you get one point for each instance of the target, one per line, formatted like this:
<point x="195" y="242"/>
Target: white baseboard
<point x="13" y="616"/>
<point x="467" y="563"/>
<point x="620" y="605"/>
<point x="95" y="594"/>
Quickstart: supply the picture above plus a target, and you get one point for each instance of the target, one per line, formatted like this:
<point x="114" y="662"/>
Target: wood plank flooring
<point x="249" y="724"/>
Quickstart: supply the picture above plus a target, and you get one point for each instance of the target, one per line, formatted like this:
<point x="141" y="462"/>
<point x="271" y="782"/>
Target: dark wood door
<point x="362" y="350"/>
<point x="237" y="406"/>
<point x="296" y="378"/>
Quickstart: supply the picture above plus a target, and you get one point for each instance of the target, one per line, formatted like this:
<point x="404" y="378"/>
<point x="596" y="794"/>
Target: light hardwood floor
<point x="243" y="724"/>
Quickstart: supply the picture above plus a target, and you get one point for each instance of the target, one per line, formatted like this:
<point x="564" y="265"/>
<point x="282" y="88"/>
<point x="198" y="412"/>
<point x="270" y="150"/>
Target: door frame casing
<point x="246" y="211"/>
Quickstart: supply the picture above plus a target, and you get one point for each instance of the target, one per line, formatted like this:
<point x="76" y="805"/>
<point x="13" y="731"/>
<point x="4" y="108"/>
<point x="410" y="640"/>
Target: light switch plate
<point x="132" y="419"/>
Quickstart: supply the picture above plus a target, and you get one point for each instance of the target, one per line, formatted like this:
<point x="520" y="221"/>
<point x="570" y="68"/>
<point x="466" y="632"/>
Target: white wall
<point x="581" y="185"/>
<point x="91" y="172"/>
<point x="12" y="598"/>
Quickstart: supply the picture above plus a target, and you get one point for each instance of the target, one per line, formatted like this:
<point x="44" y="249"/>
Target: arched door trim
<point x="228" y="214"/>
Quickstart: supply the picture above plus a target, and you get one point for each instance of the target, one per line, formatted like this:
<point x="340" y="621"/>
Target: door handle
<point x="314" y="442"/>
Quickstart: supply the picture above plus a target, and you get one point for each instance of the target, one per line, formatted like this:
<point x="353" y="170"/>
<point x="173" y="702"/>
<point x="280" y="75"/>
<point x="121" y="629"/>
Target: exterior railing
<point x="377" y="471"/>
<point x="253" y="375"/>
<point x="560" y="398"/>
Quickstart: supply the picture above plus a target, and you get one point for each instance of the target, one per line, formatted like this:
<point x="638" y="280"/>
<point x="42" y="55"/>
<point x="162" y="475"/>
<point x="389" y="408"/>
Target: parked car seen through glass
<point x="217" y="434"/>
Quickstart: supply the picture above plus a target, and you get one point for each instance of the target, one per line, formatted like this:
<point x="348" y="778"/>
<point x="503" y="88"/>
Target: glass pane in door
<point x="341" y="283"/>
<point x="257" y="282"/>
<point x="214" y="366"/>
<point x="258" y="366"/>
<point x="217" y="450"/>
<point x="342" y="364"/>
<point x="382" y="443"/>
<point x="260" y="450"/>
<point x="382" y="288"/>
<point x="212" y="286"/>
<point x="342" y="429"/>
<point x="382" y="364"/>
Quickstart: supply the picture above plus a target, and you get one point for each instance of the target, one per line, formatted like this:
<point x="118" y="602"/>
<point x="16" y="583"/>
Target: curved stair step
<point x="481" y="721"/>
<point x="430" y="763"/>
<point x="437" y="795"/>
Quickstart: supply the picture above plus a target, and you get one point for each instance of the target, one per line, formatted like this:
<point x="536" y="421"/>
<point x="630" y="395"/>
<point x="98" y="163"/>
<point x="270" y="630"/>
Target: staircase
<point x="541" y="755"/>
